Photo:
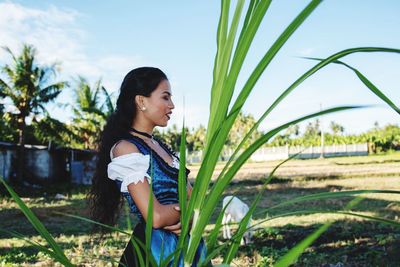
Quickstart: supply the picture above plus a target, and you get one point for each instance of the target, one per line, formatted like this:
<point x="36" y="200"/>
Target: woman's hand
<point x="175" y="228"/>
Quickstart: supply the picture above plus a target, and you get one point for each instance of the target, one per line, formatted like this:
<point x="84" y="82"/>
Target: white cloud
<point x="53" y="31"/>
<point x="56" y="34"/>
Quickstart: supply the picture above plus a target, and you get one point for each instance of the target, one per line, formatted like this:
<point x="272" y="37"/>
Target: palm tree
<point x="7" y="125"/>
<point x="336" y="128"/>
<point x="48" y="130"/>
<point x="90" y="111"/>
<point x="29" y="86"/>
<point x="240" y="127"/>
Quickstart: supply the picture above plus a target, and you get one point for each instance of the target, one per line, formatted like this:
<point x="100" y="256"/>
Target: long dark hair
<point x="104" y="198"/>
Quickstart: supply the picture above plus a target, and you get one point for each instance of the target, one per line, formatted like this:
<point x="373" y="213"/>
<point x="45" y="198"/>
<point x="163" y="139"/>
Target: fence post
<point x="287" y="151"/>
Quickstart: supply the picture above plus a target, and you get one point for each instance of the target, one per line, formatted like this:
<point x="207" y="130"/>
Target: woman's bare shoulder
<point x="124" y="147"/>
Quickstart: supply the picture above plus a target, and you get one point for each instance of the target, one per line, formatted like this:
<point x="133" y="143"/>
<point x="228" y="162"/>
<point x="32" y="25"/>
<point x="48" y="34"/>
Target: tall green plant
<point x="226" y="71"/>
<point x="55" y="251"/>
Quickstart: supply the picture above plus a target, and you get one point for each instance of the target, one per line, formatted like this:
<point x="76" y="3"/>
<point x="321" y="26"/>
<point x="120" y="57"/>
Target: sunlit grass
<point x="83" y="248"/>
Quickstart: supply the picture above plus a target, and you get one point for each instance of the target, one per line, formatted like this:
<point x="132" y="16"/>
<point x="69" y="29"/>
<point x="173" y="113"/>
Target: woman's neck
<point x="142" y="128"/>
<point x="143" y="132"/>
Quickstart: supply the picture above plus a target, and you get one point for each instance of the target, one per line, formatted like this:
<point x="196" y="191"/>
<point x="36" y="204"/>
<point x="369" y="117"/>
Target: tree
<point x="313" y="129"/>
<point x="7" y="125"/>
<point x="51" y="131"/>
<point x="385" y="138"/>
<point x="240" y="128"/>
<point x="293" y="130"/>
<point x="196" y="138"/>
<point x="29" y="86"/>
<point x="172" y="137"/>
<point x="336" y="128"/>
<point x="91" y="108"/>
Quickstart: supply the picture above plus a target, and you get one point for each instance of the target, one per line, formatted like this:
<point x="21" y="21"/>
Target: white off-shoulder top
<point x="131" y="168"/>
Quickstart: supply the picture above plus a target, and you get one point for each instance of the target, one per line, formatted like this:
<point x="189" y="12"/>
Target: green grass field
<point x="350" y="241"/>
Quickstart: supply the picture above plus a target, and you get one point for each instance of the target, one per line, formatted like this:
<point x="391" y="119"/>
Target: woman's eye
<point x="166" y="98"/>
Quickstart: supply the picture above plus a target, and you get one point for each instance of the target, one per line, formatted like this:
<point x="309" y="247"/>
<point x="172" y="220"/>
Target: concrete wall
<point x="83" y="165"/>
<point x="330" y="151"/>
<point x="284" y="152"/>
<point x="43" y="165"/>
<point x="6" y="156"/>
<point x="39" y="164"/>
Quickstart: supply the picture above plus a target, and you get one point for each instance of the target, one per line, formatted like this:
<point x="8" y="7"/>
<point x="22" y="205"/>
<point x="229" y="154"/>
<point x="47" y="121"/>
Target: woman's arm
<point x="176" y="228"/>
<point x="140" y="192"/>
<point x="163" y="215"/>
<point x="189" y="189"/>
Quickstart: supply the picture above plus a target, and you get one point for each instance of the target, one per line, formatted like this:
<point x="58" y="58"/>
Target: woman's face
<point x="159" y="104"/>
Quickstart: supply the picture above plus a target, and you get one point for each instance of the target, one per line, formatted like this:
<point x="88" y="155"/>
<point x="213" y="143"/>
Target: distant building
<point x="42" y="165"/>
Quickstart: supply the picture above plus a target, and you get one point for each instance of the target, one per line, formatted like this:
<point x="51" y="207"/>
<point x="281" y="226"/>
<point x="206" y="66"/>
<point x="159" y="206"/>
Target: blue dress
<point x="164" y="181"/>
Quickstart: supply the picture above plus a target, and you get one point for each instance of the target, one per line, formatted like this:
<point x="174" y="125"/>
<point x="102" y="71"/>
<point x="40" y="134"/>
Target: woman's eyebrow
<point x="168" y="93"/>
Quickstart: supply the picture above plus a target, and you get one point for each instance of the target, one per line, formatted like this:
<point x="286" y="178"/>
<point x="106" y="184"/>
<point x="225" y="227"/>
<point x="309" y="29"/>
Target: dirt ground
<point x="350" y="241"/>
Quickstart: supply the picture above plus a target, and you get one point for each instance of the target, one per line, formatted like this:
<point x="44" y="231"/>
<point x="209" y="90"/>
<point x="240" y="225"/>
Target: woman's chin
<point x="163" y="124"/>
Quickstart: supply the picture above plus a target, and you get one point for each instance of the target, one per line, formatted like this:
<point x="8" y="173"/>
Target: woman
<point x="130" y="160"/>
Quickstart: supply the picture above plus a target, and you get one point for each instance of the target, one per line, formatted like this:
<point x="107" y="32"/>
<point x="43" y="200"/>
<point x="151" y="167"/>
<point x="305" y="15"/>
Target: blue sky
<point x="108" y="38"/>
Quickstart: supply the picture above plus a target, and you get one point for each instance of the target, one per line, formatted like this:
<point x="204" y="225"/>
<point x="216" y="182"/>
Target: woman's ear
<point x="140" y="102"/>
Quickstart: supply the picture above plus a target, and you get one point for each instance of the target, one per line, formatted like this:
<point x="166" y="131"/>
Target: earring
<point x="143" y="108"/>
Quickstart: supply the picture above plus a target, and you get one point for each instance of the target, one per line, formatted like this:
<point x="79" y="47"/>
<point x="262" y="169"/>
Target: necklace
<point x="145" y="134"/>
